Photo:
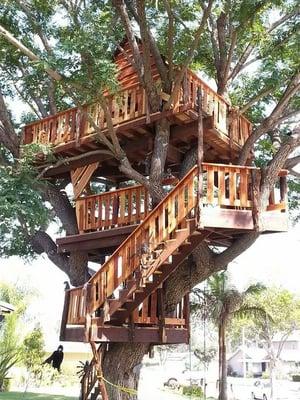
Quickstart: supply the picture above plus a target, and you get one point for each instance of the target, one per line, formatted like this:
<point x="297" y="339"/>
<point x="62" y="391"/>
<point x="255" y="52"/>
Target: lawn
<point x="33" y="396"/>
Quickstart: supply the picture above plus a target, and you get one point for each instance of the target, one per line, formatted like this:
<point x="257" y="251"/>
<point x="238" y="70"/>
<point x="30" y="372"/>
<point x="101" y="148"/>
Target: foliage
<point x="22" y="209"/>
<point x="33" y="353"/>
<point x="284" y="309"/>
<point x="205" y="356"/>
<point x="192" y="390"/>
<point x="220" y="303"/>
<point x="10" y="338"/>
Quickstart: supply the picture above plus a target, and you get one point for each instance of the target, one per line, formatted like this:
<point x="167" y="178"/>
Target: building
<point x="248" y="361"/>
<point x="255" y="361"/>
<point x="5" y="308"/>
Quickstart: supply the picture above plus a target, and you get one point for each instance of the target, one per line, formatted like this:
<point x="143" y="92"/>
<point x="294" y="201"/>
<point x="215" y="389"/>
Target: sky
<point x="272" y="260"/>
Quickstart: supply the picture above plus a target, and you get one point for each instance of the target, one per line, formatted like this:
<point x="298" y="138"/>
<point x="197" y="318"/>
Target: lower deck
<point x="225" y="226"/>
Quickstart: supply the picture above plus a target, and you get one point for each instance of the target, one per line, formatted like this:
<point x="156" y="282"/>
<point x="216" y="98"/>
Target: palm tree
<point x="220" y="303"/>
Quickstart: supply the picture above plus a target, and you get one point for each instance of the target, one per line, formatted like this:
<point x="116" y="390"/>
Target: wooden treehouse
<point x="123" y="301"/>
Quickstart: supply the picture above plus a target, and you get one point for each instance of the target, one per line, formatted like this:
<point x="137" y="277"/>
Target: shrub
<point x="265" y="375"/>
<point x="296" y="378"/>
<point x="192" y="390"/>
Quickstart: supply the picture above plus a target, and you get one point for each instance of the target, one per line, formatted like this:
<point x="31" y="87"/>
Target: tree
<point x="284" y="309"/>
<point x="33" y="351"/>
<point x="59" y="54"/>
<point x="10" y="340"/>
<point x="220" y="303"/>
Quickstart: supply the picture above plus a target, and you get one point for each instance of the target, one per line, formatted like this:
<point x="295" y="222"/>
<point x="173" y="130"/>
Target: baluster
<point x="232" y="187"/>
<point x="221" y="186"/>
<point x="107" y="209"/>
<point x="153" y="312"/>
<point x="243" y="188"/>
<point x="138" y="204"/>
<point x="210" y="185"/>
<point x="122" y="208"/>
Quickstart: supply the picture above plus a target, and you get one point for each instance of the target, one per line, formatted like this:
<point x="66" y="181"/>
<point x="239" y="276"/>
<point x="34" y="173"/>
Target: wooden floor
<point x="109" y="334"/>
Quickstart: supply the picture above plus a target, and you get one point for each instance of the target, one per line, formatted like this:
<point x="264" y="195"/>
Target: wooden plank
<point x="244" y="188"/>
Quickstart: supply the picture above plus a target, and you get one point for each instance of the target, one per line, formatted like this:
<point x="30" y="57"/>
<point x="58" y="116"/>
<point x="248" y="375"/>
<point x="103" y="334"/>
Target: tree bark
<point x="121" y="367"/>
<point x="222" y="362"/>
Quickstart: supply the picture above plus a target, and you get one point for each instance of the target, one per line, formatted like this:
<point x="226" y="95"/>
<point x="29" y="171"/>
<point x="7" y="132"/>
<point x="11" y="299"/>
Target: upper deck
<point x="71" y="133"/>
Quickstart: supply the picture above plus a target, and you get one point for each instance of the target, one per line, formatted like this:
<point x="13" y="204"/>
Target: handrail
<point x="146" y="314"/>
<point x="224" y="185"/>
<point x="154" y="230"/>
<point x="130" y="103"/>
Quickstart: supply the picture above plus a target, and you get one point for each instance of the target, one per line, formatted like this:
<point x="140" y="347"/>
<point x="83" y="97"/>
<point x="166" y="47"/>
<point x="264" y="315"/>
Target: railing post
<point x="283" y="188"/>
<point x="64" y="318"/>
<point x="200" y="158"/>
<point x="87" y="293"/>
<point x="161" y="311"/>
<point x="255" y="183"/>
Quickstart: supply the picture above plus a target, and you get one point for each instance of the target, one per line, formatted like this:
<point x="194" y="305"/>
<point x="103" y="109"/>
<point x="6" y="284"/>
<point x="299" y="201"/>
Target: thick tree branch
<point x="16" y="43"/>
<point x="263" y="93"/>
<point x="241" y="64"/>
<point x="292" y="162"/>
<point x="8" y="136"/>
<point x="62" y="207"/>
<point x="42" y="243"/>
<point x="162" y="69"/>
<point x="272" y="120"/>
<point x="190" y="55"/>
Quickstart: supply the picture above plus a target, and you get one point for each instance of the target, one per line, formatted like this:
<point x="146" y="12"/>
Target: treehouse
<point x="138" y="247"/>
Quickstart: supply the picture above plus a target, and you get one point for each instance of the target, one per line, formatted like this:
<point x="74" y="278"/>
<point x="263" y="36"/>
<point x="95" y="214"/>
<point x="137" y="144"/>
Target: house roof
<point x="293" y="337"/>
<point x="6" y="307"/>
<point x="253" y="354"/>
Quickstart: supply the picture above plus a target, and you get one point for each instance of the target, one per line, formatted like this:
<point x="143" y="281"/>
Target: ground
<point x="33" y="396"/>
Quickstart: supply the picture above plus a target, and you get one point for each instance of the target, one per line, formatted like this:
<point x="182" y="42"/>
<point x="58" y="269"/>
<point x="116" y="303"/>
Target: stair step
<point x="166" y="263"/>
<point x="123" y="292"/>
<point x="181" y="230"/>
<point x="170" y="241"/>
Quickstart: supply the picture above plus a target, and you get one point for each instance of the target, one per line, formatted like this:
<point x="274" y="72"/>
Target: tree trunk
<point x="121" y="367"/>
<point x="222" y="363"/>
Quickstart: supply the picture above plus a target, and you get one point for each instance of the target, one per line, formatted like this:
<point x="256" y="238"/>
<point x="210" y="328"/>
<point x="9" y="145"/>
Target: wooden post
<point x="87" y="299"/>
<point x="161" y="314"/>
<point x="64" y="318"/>
<point x="255" y="183"/>
<point x="98" y="356"/>
<point x="283" y="188"/>
<point x="200" y="158"/>
<point x="186" y="315"/>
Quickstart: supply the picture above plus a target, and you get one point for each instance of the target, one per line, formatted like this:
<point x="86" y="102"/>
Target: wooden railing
<point x="154" y="230"/>
<point x="226" y="119"/>
<point x="148" y="313"/>
<point x="129" y="104"/>
<point x="117" y="208"/>
<point x="223" y="186"/>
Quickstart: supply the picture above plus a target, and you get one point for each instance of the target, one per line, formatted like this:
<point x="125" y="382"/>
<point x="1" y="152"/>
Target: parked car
<point x="261" y="391"/>
<point x="186" y="378"/>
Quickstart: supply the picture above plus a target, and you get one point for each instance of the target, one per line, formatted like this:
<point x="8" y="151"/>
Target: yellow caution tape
<point x="121" y="388"/>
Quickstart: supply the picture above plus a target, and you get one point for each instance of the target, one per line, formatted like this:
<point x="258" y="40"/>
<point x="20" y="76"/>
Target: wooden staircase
<point x="124" y="300"/>
<point x="141" y="264"/>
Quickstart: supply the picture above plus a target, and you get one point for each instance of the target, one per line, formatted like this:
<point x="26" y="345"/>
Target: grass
<point x="32" y="396"/>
